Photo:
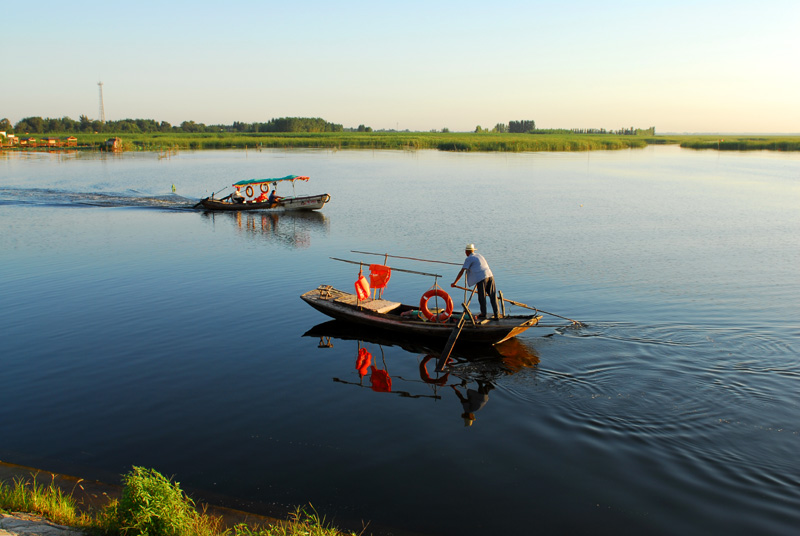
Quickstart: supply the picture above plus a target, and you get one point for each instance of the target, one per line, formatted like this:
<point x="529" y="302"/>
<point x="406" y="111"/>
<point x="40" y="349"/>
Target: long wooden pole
<point x="407" y="258"/>
<point x="518" y="304"/>
<point x="394" y="269"/>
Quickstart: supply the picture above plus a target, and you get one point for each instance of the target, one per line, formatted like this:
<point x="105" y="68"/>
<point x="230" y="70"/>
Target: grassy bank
<point x="484" y="142"/>
<point x="150" y="504"/>
<point x="442" y="141"/>
<point x="742" y="143"/>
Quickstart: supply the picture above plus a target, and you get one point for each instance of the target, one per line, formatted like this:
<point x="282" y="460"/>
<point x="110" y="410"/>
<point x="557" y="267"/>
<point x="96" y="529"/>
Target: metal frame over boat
<point x="308" y="202"/>
<point x="388" y="315"/>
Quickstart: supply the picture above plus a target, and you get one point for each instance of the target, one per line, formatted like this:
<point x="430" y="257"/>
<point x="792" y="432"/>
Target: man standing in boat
<point x="479" y="273"/>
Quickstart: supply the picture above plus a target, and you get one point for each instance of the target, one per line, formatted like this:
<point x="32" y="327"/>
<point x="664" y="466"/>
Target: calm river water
<point x="137" y="332"/>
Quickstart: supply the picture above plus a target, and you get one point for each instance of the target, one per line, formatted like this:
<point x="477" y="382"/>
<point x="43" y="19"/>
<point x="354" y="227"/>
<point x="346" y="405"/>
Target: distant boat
<point x="255" y="197"/>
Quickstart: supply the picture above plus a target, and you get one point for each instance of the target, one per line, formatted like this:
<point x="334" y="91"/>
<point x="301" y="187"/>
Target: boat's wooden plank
<point x="378" y="306"/>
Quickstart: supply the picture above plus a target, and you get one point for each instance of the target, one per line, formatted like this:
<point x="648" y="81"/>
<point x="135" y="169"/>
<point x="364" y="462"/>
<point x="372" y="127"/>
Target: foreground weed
<point x="152" y="505"/>
<point x="47" y="501"/>
<point x="302" y="522"/>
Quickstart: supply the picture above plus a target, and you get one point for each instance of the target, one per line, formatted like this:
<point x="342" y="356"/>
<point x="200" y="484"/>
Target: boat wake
<point x="59" y="198"/>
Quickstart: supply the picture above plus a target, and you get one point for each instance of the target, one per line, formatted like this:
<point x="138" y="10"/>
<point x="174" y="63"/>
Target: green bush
<point x="151" y="505"/>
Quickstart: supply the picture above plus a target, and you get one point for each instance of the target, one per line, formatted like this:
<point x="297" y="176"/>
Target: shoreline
<point x="92" y="495"/>
<point x="172" y="142"/>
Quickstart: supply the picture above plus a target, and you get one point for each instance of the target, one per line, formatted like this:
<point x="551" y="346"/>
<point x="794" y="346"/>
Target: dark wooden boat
<point x="395" y="317"/>
<point x="309" y="202"/>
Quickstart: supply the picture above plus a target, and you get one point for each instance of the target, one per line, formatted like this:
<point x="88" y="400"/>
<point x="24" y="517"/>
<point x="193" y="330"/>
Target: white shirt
<point x="477" y="269"/>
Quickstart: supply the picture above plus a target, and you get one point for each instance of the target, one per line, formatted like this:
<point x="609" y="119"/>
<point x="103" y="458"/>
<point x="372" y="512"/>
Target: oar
<point x="451" y="341"/>
<point x="518" y="304"/>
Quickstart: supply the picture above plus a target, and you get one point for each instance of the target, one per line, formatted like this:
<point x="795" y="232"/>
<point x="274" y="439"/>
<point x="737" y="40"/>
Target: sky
<point x="683" y="67"/>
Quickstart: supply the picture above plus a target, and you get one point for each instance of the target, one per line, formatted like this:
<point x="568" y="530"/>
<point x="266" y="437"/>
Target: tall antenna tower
<point x="102" y="110"/>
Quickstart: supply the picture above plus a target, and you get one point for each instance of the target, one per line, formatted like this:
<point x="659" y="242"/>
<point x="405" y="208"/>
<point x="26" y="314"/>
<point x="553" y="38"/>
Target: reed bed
<point x="743" y="143"/>
<point x="459" y="142"/>
<point x="442" y="141"/>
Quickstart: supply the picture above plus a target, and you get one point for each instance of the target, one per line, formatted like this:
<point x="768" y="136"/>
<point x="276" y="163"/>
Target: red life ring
<point x="264" y="187"/>
<point x="424" y="376"/>
<point x="448" y="305"/>
<point x="249" y="191"/>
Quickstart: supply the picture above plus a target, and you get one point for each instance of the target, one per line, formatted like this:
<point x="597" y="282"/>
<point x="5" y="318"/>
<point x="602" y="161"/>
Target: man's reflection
<point x="474" y="400"/>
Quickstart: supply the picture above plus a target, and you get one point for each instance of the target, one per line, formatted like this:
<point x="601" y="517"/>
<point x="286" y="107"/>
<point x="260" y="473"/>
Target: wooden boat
<point x="309" y="202"/>
<point x="398" y="318"/>
<point x="255" y="197"/>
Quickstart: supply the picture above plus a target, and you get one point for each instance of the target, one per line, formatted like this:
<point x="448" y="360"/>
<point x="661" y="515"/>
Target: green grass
<point x="743" y="143"/>
<point x="461" y="142"/>
<point x="442" y="141"/>
<point x="151" y="505"/>
<point x="47" y="501"/>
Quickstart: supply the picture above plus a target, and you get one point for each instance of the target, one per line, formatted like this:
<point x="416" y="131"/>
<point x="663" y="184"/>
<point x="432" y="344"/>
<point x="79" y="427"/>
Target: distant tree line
<point x="39" y="125"/>
<point x="288" y="124"/>
<point x="529" y="127"/>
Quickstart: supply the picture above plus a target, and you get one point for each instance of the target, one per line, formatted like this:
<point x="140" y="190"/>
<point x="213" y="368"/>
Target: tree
<point x="521" y="127"/>
<point x="30" y="124"/>
<point x="5" y="125"/>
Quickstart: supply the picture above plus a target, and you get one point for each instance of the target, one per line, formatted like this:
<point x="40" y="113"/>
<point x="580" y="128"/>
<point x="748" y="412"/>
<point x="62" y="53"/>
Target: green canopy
<point x="264" y="181"/>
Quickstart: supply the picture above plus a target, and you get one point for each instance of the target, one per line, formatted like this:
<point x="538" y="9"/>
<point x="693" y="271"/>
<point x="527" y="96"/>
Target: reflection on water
<point x="471" y="374"/>
<point x="292" y="229"/>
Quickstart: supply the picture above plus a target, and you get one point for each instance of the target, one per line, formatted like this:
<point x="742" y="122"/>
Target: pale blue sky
<point x="714" y="66"/>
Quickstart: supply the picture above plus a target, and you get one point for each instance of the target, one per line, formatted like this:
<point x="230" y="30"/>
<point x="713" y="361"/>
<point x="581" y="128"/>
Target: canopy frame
<point x="253" y="182"/>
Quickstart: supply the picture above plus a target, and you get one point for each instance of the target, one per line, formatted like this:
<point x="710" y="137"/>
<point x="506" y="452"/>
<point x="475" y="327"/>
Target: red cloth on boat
<point x="380" y="381"/>
<point x="363" y="361"/>
<point x="379" y="275"/>
<point x="362" y="288"/>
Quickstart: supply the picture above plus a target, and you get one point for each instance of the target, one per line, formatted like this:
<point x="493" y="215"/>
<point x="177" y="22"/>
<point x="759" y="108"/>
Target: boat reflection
<point x="292" y="228"/>
<point x="471" y="374"/>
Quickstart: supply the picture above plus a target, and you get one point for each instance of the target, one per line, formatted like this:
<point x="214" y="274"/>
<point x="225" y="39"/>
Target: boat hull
<point x="387" y="316"/>
<point x="309" y="202"/>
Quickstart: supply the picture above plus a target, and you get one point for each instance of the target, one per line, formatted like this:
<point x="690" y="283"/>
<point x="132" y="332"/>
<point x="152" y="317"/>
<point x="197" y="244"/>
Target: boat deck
<point x="377" y="306"/>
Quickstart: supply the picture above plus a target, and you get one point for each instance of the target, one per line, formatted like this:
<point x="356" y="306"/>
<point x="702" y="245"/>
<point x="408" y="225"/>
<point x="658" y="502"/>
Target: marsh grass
<point x="442" y="141"/>
<point x="743" y="143"/>
<point x="151" y="505"/>
<point x="410" y="141"/>
<point x="48" y="501"/>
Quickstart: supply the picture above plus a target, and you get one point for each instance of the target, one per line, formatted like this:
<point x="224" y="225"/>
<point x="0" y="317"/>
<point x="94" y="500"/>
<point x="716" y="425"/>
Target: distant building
<point x="71" y="141"/>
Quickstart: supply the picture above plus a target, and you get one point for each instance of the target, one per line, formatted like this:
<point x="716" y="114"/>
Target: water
<point x="139" y="332"/>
